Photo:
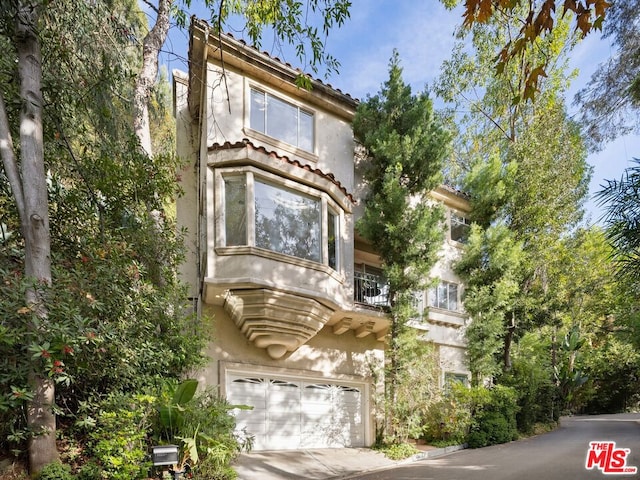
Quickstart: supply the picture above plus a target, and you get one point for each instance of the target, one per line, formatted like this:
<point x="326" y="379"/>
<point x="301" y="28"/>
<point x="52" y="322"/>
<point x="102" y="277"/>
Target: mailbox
<point x="164" y="455"/>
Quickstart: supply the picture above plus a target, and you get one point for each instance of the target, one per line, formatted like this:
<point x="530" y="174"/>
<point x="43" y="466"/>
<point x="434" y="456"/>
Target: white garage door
<point x="291" y="414"/>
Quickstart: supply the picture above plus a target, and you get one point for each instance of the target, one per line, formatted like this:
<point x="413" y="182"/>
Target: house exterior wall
<point x="279" y="317"/>
<point x="446" y="328"/>
<point x="325" y="355"/>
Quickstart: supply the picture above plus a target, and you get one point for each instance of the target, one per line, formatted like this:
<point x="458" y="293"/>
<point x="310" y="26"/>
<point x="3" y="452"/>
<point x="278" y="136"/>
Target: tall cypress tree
<point x="406" y="145"/>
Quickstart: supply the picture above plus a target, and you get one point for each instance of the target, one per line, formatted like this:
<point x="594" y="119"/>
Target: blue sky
<point x="422" y="32"/>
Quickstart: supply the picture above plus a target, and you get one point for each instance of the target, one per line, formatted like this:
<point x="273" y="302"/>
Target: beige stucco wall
<point x="447" y="329"/>
<point x="453" y="360"/>
<point x="333" y="357"/>
<point x="187" y="176"/>
<point x="326" y="355"/>
<point x="228" y="121"/>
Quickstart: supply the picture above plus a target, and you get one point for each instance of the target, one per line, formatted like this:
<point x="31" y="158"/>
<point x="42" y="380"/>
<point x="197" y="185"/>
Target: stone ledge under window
<point x="281" y="257"/>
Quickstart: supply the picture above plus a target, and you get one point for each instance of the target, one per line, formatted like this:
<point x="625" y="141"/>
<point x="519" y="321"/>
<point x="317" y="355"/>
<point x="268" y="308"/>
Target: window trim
<point x="327" y="204"/>
<point x="465" y="221"/>
<point x="449" y="377"/>
<point x="265" y="137"/>
<point x="435" y="289"/>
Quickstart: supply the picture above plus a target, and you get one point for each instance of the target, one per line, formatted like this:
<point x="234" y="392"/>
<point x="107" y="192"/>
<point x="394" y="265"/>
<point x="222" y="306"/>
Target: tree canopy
<point x="532" y="22"/>
<point x="609" y="102"/>
<point x="524" y="166"/>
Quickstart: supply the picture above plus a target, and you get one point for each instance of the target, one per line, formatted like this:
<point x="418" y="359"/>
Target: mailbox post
<point x="166" y="455"/>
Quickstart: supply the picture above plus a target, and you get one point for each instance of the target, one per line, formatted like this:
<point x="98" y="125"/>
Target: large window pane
<point x="459" y="228"/>
<point x="287" y="222"/>
<point x="282" y="120"/>
<point x="433" y="297"/>
<point x="235" y="213"/>
<point x="305" y="137"/>
<point x="258" y="110"/>
<point x="444" y="296"/>
<point x="332" y="231"/>
<point x="452" y="301"/>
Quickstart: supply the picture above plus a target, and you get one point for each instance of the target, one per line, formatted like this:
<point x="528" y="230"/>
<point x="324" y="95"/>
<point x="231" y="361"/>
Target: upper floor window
<point x="460" y="227"/>
<point x="282" y="120"/>
<point x="444" y="296"/>
<point x="262" y="213"/>
<point x="451" y="378"/>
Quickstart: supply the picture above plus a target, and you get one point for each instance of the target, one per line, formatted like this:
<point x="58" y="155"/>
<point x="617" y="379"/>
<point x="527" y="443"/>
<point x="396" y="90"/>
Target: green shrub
<point x="448" y="421"/>
<point x="90" y="471"/>
<point x="56" y="471"/>
<point x="119" y="440"/>
<point x="537" y="394"/>
<point x="494" y="419"/>
<point x="416" y="389"/>
<point x="397" y="451"/>
<point x="202" y="424"/>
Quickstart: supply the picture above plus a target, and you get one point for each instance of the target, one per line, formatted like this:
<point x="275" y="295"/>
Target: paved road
<point x="560" y="455"/>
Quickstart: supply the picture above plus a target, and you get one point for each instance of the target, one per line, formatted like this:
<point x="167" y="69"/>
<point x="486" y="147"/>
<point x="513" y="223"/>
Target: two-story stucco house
<point x="296" y="298"/>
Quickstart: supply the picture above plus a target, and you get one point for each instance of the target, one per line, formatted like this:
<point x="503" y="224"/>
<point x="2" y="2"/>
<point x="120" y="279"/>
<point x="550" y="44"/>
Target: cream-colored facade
<point x="270" y="202"/>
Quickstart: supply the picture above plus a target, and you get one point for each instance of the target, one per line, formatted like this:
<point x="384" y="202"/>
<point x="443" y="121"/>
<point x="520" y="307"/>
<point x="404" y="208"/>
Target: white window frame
<point x="251" y="174"/>
<point x="434" y="291"/>
<point x="459" y="219"/>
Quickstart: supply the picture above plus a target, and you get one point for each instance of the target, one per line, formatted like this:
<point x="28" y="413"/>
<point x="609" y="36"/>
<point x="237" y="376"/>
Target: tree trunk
<point x="40" y="418"/>
<point x="34" y="217"/>
<point x="391" y="379"/>
<point x="508" y="339"/>
<point x="146" y="79"/>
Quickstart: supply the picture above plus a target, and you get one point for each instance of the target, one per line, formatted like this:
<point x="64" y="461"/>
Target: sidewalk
<point x="321" y="464"/>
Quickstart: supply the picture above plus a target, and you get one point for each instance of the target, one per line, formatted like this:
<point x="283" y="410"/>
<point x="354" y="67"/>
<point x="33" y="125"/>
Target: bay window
<point x="235" y="193"/>
<point x="262" y="212"/>
<point x="287" y="222"/>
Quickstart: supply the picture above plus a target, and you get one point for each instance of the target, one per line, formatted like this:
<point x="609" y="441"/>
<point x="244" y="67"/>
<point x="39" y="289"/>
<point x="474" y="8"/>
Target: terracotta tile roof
<point x="455" y="191"/>
<point x="246" y="143"/>
<point x="295" y="69"/>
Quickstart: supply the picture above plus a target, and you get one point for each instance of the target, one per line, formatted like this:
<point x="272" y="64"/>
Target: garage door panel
<point x="318" y="415"/>
<point x="284" y="416"/>
<point x="293" y="414"/>
<point x="317" y="393"/>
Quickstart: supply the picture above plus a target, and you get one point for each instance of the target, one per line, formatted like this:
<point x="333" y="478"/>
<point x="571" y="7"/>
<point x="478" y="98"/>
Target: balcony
<point x="370" y="289"/>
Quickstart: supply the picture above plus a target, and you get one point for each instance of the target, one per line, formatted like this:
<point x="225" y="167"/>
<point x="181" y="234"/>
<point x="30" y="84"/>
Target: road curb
<point x="436" y="452"/>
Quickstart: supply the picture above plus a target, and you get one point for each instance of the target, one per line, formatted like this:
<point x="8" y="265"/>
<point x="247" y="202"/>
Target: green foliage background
<point x="117" y="318"/>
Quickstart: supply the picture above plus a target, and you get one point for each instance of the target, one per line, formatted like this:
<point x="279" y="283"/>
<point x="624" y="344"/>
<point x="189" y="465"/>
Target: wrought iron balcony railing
<point x="373" y="289"/>
<point x="370" y="289"/>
